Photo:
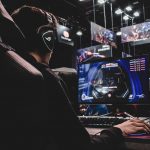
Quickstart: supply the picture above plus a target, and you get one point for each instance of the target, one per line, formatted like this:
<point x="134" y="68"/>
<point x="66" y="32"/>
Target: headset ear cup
<point x="46" y="37"/>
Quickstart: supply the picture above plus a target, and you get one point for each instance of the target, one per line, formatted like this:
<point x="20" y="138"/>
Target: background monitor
<point x="102" y="35"/>
<point x="93" y="52"/>
<point x="108" y="81"/>
<point x="136" y="34"/>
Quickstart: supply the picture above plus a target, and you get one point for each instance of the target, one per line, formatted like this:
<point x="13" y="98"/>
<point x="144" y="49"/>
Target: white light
<point x="118" y="33"/>
<point x="128" y="8"/>
<point x="105" y="46"/>
<point x="101" y="1"/>
<point x="125" y="17"/>
<point x="79" y="33"/>
<point x="136" y="14"/>
<point x="118" y="11"/>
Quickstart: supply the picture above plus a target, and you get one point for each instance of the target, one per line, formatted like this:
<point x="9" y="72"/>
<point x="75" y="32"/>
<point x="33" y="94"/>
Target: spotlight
<point x="101" y="1"/>
<point x="118" y="11"/>
<point x="79" y="33"/>
<point x="126" y="18"/>
<point x="128" y="8"/>
<point x="136" y="14"/>
<point x="118" y="33"/>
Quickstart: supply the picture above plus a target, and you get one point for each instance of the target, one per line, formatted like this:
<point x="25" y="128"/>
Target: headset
<point x="47" y="34"/>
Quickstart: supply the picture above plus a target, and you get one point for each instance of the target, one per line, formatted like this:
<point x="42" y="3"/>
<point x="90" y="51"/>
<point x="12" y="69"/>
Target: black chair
<point x="24" y="112"/>
<point x="23" y="105"/>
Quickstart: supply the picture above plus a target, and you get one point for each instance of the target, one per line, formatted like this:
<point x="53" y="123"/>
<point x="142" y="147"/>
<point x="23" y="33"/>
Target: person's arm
<point x="68" y="131"/>
<point x="108" y="139"/>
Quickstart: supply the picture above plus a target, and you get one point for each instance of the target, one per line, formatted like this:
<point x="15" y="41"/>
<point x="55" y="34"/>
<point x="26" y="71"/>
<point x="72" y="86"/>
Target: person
<point x="61" y="122"/>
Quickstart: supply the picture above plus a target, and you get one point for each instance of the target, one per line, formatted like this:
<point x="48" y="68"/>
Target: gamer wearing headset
<point x="61" y="122"/>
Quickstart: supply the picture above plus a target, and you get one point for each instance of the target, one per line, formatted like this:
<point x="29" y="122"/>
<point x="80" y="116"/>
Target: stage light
<point x="79" y="33"/>
<point x="136" y="14"/>
<point x="118" y="11"/>
<point x="126" y="18"/>
<point x="128" y="8"/>
<point x="118" y="33"/>
<point x="101" y="1"/>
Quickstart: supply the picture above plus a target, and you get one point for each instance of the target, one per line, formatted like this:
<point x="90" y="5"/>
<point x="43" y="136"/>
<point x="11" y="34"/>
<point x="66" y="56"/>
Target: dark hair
<point x="29" y="19"/>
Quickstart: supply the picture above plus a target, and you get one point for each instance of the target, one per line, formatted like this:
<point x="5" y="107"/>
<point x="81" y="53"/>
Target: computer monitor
<point x="137" y="34"/>
<point x="109" y="81"/>
<point x="93" y="53"/>
<point x="102" y="35"/>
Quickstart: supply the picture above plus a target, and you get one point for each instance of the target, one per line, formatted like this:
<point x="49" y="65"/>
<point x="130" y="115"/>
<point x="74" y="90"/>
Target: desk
<point x="130" y="143"/>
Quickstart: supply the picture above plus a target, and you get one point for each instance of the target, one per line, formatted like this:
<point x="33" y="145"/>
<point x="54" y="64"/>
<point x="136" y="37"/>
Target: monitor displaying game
<point x="137" y="34"/>
<point x="109" y="81"/>
<point x="93" y="52"/>
<point x="102" y="35"/>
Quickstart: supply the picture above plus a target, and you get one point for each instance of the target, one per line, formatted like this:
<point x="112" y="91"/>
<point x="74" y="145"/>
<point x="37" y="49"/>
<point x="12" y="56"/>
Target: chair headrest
<point x="12" y="57"/>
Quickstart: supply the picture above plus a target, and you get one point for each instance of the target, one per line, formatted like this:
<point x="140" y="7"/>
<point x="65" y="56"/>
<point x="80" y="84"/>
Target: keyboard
<point x="101" y="122"/>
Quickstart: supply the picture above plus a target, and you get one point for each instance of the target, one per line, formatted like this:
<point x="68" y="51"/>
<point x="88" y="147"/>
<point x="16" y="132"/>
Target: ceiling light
<point x="118" y="11"/>
<point x="79" y="33"/>
<point x="118" y="33"/>
<point x="126" y="17"/>
<point x="128" y="8"/>
<point x="101" y="1"/>
<point x="136" y="14"/>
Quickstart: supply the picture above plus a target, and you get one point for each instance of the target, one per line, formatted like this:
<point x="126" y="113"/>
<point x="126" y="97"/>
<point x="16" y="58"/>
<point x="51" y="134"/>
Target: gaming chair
<point x="23" y="103"/>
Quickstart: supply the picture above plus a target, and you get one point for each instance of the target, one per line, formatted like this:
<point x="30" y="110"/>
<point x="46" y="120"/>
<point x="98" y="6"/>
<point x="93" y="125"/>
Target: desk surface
<point x="131" y="142"/>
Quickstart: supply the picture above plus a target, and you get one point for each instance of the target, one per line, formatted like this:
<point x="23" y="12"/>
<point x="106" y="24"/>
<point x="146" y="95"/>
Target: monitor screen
<point x="121" y="81"/>
<point x="138" y="34"/>
<point x="93" y="52"/>
<point x="102" y="35"/>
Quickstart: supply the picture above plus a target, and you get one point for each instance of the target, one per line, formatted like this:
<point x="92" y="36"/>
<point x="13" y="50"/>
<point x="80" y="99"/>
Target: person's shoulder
<point x="48" y="72"/>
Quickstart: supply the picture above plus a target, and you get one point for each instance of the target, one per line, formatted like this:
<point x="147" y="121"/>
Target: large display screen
<point x="93" y="52"/>
<point x="121" y="81"/>
<point x="102" y="35"/>
<point x="139" y="33"/>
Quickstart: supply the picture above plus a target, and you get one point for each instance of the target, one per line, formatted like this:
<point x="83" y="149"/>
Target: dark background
<point x="77" y="15"/>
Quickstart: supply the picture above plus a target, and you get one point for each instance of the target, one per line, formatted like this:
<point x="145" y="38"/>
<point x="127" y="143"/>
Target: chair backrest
<point x="24" y="109"/>
<point x="22" y="103"/>
<point x="10" y="32"/>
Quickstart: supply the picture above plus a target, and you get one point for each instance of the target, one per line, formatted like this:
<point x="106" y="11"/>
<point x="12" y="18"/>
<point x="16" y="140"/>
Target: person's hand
<point x="132" y="126"/>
